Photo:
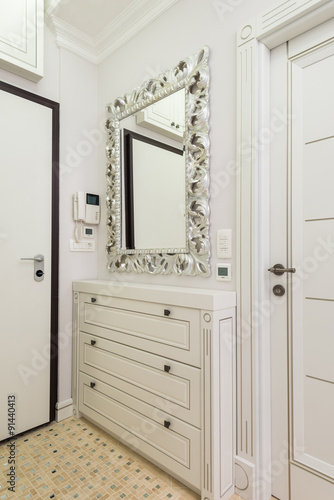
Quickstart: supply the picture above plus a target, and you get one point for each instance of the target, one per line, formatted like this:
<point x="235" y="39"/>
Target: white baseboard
<point x="64" y="409"/>
<point x="228" y="493"/>
<point x="244" y="479"/>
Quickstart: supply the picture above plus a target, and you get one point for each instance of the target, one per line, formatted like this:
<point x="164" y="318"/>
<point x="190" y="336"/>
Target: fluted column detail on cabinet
<point x="218" y="408"/>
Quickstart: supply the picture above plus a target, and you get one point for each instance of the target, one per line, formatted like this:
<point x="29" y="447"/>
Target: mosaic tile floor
<point x="75" y="459"/>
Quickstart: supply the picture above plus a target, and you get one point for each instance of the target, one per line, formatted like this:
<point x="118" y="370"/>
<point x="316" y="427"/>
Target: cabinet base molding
<point x="244" y="478"/>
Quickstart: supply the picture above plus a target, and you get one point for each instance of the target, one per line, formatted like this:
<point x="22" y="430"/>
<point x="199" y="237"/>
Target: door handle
<point x="279" y="269"/>
<point x="37" y="258"/>
<point x="38" y="267"/>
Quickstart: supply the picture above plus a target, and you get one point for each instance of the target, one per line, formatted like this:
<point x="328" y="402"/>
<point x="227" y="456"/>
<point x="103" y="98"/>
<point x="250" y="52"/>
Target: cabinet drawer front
<point x="176" y="447"/>
<point x="144" y="325"/>
<point x="143" y="375"/>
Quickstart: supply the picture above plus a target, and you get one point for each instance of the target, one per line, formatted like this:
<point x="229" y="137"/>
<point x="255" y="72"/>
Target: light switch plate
<point x="224" y="243"/>
<point x="82" y="246"/>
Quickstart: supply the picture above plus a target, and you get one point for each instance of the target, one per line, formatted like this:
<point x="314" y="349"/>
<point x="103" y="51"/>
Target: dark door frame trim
<point x="54" y="106"/>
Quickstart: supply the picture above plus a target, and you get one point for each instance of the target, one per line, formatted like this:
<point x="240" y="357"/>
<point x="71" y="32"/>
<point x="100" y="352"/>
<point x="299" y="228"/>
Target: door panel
<point x="318" y="179"/>
<point x="318" y="99"/>
<point x="307" y="487"/>
<point x="319" y="348"/>
<point x="27" y="153"/>
<point x="319" y="418"/>
<point x="318" y="259"/>
<point x="306" y="215"/>
<point x="312" y="223"/>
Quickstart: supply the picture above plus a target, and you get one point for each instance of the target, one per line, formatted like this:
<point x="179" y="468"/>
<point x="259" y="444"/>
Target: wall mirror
<point x="158" y="173"/>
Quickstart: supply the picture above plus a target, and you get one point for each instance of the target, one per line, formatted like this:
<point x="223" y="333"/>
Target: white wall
<point x="73" y="82"/>
<point x="179" y="32"/>
<point x="82" y="89"/>
<point x="78" y="167"/>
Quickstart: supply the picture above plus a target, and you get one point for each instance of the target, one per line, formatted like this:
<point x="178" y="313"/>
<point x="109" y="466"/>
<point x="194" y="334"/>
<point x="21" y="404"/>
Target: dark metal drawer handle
<point x="93" y="299"/>
<point x="166" y="312"/>
<point x="166" y="368"/>
<point x="92" y="384"/>
<point x="167" y="424"/>
<point x="93" y="342"/>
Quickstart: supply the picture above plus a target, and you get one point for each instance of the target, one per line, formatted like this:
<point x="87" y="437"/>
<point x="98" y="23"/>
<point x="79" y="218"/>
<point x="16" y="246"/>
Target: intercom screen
<point x="92" y="199"/>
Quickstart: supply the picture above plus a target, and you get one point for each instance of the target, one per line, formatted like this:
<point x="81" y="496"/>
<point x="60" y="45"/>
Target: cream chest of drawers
<point x="154" y="366"/>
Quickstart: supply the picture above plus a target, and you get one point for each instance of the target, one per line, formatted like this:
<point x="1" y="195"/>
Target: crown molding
<point x="131" y="21"/>
<point x="73" y="39"/>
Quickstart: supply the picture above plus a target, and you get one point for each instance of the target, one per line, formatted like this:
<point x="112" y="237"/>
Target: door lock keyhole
<point x="39" y="273"/>
<point x="279" y="290"/>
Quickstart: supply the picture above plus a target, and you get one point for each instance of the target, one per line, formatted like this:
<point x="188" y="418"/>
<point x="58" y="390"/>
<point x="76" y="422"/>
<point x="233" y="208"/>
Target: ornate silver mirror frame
<point x="192" y="74"/>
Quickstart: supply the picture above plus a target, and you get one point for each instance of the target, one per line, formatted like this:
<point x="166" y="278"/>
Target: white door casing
<point x="255" y="130"/>
<point x="28" y="226"/>
<point x="278" y="254"/>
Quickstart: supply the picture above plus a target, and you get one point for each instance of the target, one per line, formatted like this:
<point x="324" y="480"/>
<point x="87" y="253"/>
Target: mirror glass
<point x="152" y="148"/>
<point x="158" y="174"/>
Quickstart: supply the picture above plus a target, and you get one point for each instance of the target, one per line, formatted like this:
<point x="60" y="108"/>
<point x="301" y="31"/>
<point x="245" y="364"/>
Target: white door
<point x="26" y="154"/>
<point x="302" y="237"/>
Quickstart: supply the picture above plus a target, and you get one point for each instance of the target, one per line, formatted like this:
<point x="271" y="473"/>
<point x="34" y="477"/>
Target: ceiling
<point x="90" y="16"/>
<point x="95" y="28"/>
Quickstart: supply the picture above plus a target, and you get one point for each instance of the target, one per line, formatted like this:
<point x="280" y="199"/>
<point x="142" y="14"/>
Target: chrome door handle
<point x="37" y="258"/>
<point x="38" y="266"/>
<point x="279" y="269"/>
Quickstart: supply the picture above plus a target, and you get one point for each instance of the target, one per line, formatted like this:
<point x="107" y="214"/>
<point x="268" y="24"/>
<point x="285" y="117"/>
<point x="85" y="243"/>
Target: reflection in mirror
<point x="167" y="116"/>
<point x="157" y="174"/>
<point x="152" y="147"/>
<point x="154" y="211"/>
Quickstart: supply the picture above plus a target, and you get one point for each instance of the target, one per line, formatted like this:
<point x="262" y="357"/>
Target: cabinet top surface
<point x="199" y="298"/>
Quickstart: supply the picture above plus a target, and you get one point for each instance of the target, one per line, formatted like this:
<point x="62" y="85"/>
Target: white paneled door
<point x="28" y="227"/>
<point x="302" y="238"/>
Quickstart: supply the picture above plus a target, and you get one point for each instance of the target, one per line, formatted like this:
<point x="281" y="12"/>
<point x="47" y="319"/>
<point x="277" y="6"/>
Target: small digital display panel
<point x="89" y="231"/>
<point x="92" y="199"/>
<point x="222" y="271"/>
